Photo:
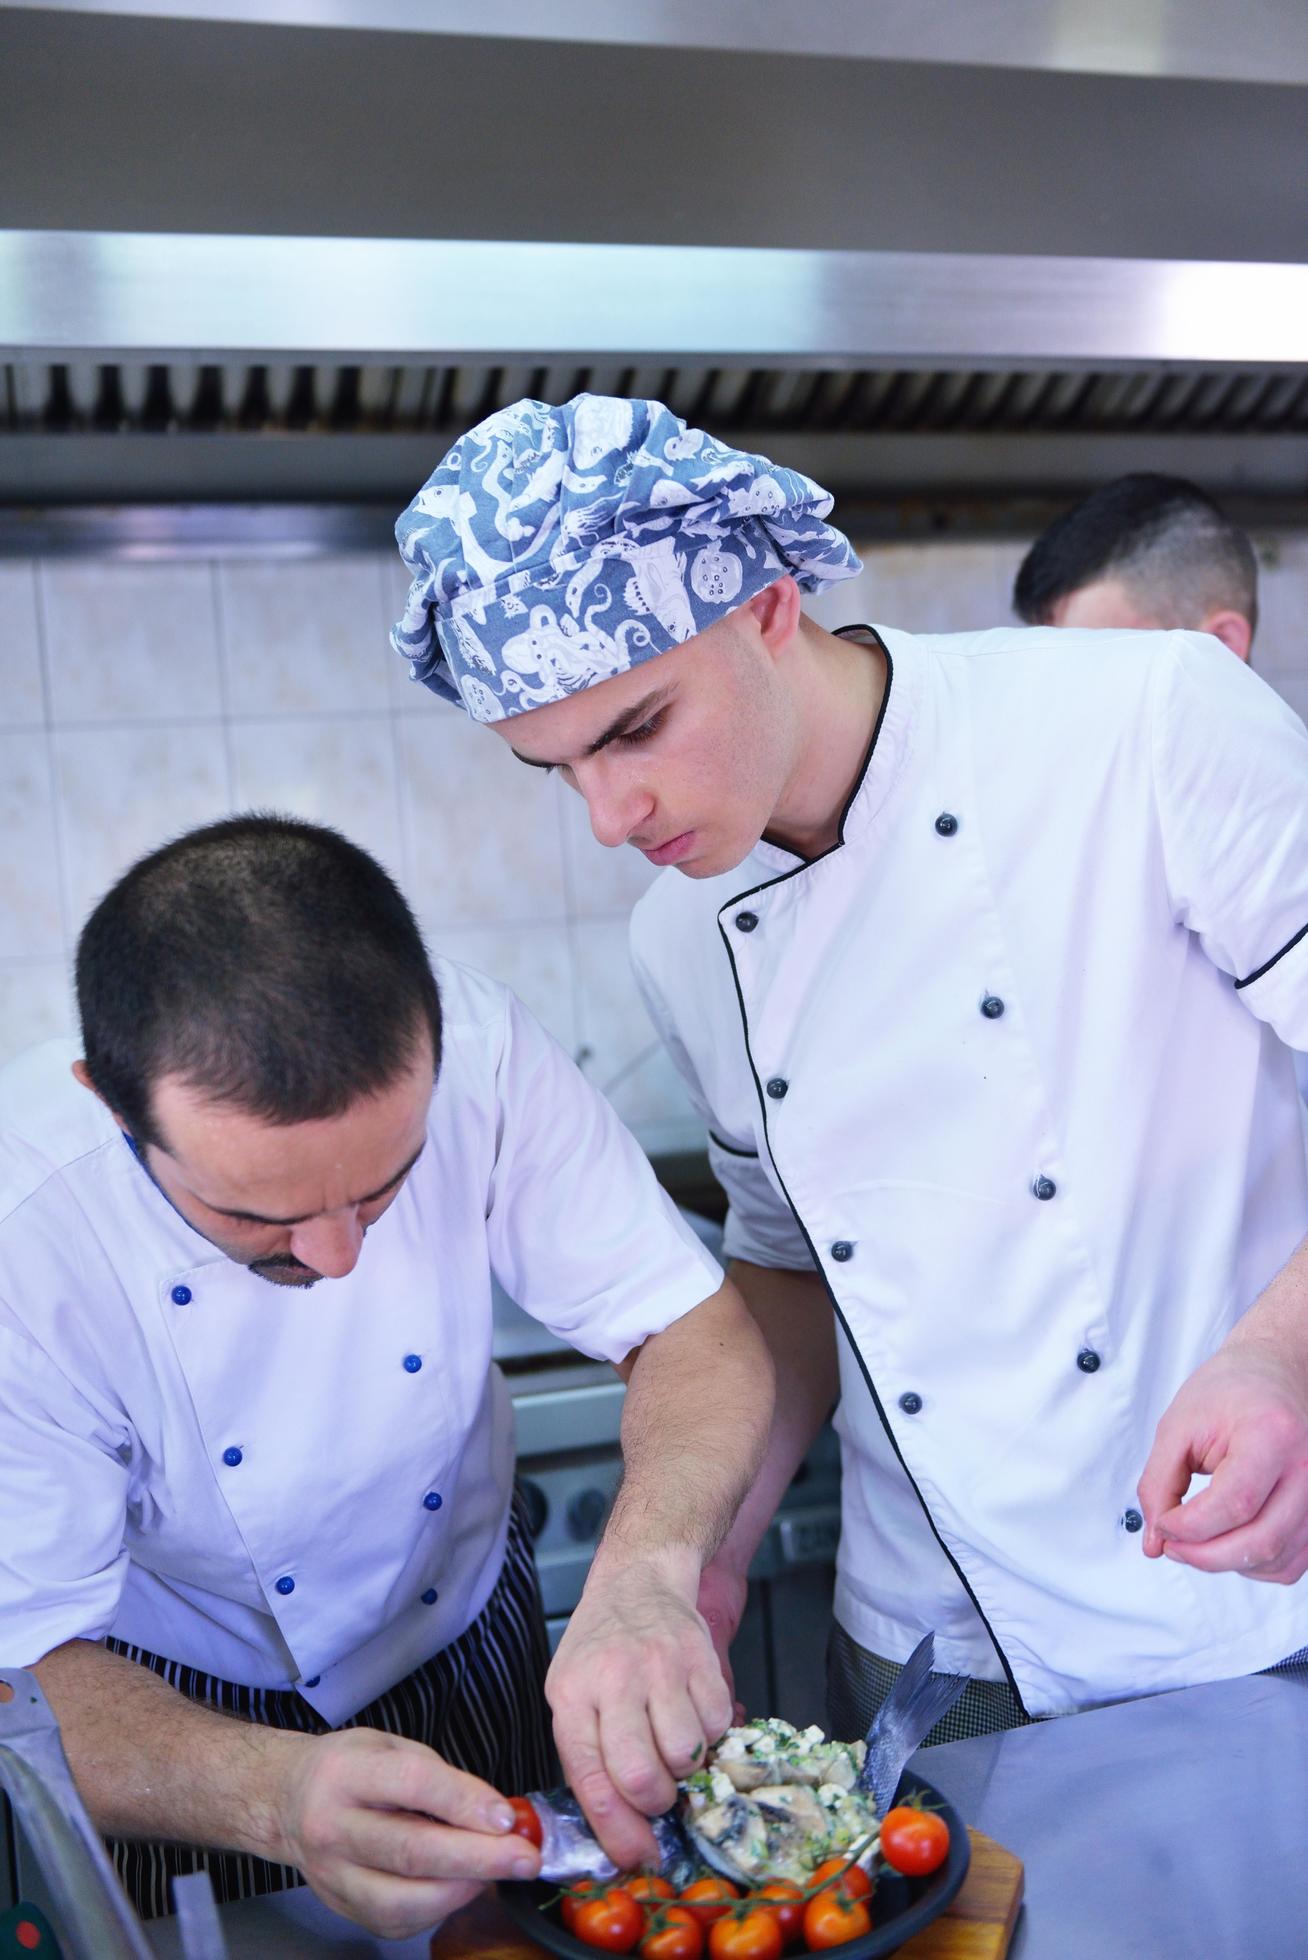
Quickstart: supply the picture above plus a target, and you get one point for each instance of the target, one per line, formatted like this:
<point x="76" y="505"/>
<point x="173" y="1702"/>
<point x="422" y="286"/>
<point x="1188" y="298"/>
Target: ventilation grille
<point x="357" y="400"/>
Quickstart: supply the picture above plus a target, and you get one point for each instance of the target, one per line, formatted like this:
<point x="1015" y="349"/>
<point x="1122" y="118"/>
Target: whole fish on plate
<point x="771" y="1801"/>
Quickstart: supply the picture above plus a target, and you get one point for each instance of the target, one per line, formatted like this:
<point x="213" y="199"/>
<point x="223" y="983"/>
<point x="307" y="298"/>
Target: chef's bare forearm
<point x="150" y="1763"/>
<point x="694" y="1426"/>
<point x="793" y="1314"/>
<point x="1278" y="1318"/>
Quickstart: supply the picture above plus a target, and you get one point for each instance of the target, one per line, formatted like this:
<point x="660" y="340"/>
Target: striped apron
<point x="479" y="1703"/>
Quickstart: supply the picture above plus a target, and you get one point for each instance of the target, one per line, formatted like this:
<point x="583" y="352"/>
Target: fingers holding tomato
<point x="526" y="1821"/>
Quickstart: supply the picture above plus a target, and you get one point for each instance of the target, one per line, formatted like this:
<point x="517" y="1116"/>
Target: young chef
<point x="293" y="1507"/>
<point x="1143" y="550"/>
<point x="978" y="962"/>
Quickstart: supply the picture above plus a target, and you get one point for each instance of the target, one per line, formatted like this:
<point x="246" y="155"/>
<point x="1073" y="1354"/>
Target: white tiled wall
<point x="137" y="699"/>
<point x="954" y="588"/>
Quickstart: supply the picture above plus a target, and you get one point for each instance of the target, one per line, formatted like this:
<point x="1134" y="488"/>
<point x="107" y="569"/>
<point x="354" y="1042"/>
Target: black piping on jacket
<point x="877" y="1403"/>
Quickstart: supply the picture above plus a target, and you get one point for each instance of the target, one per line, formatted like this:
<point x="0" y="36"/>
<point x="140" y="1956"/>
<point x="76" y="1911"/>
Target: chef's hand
<point x="722" y="1596"/>
<point x="1243" y="1419"/>
<point x="638" y="1695"/>
<point x="388" y="1833"/>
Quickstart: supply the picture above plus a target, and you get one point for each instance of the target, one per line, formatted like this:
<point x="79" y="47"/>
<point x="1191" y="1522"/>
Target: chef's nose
<point x="616" y="808"/>
<point x="329" y="1244"/>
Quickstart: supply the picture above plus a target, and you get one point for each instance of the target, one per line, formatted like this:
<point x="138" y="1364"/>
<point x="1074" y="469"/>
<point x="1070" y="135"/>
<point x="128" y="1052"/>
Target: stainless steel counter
<point x="1164" y="1829"/>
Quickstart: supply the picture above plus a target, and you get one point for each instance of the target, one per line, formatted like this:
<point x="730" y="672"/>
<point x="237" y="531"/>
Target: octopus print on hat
<point x="556" y="547"/>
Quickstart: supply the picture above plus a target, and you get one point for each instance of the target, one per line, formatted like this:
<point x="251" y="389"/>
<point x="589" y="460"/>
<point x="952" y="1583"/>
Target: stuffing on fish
<point x="771" y="1801"/>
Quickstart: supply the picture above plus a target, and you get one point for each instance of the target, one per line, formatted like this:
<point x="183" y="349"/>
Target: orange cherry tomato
<point x="673" y="1935"/>
<point x="709" y="1898"/>
<point x="526" y="1822"/>
<point x="914" y="1841"/>
<point x="573" y="1900"/>
<point x="612" y="1921"/>
<point x="854" y="1881"/>
<point x="833" y="1919"/>
<point x="785" y="1900"/>
<point x="649" y="1889"/>
<point x="751" y="1934"/>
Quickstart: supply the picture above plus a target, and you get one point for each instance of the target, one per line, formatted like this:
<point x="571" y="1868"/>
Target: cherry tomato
<point x="675" y="1935"/>
<point x="832" y="1919"/>
<point x="526" y="1822"/>
<point x="854" y="1881"/>
<point x="649" y="1889"/>
<point x="709" y="1898"/>
<point x="785" y="1899"/>
<point x="914" y="1841"/>
<point x="572" y="1901"/>
<point x="748" y="1935"/>
<point x="613" y="1921"/>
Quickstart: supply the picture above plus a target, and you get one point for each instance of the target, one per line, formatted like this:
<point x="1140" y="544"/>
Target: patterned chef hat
<point x="556" y="547"/>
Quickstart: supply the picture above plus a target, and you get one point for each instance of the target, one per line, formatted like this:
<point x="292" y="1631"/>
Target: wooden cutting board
<point x="977" y="1926"/>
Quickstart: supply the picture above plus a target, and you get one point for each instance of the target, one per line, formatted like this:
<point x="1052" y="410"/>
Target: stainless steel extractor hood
<point x="335" y="366"/>
<point x="181" y="315"/>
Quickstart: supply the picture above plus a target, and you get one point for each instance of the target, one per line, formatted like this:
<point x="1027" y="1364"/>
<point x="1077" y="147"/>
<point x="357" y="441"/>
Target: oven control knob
<point x="586" y="1513"/>
<point x="537" y="1506"/>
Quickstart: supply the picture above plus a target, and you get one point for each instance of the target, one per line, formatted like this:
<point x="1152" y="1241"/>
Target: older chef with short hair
<point x="256" y="1466"/>
<point x="979" y="958"/>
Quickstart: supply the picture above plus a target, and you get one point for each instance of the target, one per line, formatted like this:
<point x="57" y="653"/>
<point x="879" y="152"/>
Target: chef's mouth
<point x="671" y="851"/>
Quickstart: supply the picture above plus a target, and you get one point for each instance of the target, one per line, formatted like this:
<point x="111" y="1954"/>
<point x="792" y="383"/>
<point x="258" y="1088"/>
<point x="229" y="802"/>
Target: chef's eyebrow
<point x="257" y="1218"/>
<point x="629" y="718"/>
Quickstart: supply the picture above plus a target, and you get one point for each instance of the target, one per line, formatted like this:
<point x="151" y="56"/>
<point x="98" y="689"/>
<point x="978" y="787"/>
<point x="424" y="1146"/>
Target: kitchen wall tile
<point x="601" y="881"/>
<point x="536" y="961"/>
<point x="1280" y="648"/>
<point x="340" y="770"/>
<point x="483" y="839"/>
<point x="925" y="588"/>
<point x="302" y="636"/>
<point x="621" y="1053"/>
<point x="1007" y="558"/>
<point x="36" y="1004"/>
<point x="31" y="923"/>
<point x="130" y="642"/>
<point x="22" y="698"/>
<point x="122" y="791"/>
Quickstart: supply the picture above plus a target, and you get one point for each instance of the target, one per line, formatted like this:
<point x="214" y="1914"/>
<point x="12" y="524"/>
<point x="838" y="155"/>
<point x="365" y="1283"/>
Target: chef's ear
<point x="83" y="1075"/>
<point x="775" y="611"/>
<point x="1231" y="628"/>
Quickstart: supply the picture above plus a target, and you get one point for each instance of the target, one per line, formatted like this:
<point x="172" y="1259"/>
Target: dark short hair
<point x="1162" y="536"/>
<point x="267" y="962"/>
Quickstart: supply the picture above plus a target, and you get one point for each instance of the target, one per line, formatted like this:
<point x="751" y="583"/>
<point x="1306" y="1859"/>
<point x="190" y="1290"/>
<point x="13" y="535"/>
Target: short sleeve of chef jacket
<point x="581" y="1234"/>
<point x="65" y="1447"/>
<point x="760" y="1225"/>
<point x="1231" y="774"/>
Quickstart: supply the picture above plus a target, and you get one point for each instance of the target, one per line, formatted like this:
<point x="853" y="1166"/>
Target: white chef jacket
<point x="1007" y="1066"/>
<point x="290" y="1487"/>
